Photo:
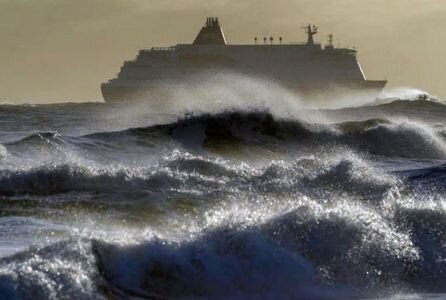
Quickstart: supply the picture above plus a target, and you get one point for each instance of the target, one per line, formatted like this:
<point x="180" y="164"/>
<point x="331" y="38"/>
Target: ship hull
<point x="148" y="92"/>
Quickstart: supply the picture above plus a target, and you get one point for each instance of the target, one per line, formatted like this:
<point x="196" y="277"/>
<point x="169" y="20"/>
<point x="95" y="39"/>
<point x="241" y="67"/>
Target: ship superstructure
<point x="301" y="67"/>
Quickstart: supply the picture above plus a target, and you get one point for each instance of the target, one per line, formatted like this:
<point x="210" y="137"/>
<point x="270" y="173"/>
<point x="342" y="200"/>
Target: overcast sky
<point x="61" y="50"/>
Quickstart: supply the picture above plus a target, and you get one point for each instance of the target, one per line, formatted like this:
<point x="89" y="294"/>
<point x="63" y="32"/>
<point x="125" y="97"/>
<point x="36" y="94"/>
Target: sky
<point x="62" y="50"/>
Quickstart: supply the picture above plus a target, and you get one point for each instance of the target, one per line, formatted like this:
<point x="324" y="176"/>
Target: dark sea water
<point x="119" y="201"/>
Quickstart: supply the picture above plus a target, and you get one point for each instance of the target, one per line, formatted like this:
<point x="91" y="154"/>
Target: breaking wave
<point x="237" y="204"/>
<point x="403" y="138"/>
<point x="311" y="251"/>
<point x="376" y="136"/>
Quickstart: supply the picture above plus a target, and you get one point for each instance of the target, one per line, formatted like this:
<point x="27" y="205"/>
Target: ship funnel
<point x="211" y="33"/>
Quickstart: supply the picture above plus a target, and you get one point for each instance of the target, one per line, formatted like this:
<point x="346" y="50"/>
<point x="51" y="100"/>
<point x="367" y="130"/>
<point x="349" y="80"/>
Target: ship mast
<point x="330" y="40"/>
<point x="310" y="30"/>
<point x="330" y="44"/>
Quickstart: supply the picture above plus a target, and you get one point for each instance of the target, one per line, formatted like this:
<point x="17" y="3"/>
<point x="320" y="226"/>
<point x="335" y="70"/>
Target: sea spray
<point x="332" y="204"/>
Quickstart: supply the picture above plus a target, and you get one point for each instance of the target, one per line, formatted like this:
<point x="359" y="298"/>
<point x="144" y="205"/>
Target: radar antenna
<point x="310" y="30"/>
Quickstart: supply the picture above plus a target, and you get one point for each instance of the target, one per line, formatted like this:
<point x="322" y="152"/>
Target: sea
<point x="240" y="192"/>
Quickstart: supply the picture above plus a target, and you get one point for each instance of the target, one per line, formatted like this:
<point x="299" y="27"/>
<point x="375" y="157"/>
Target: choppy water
<point x="101" y="202"/>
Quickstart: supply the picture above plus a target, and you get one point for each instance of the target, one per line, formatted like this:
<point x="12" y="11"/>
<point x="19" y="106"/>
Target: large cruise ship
<point x="304" y="68"/>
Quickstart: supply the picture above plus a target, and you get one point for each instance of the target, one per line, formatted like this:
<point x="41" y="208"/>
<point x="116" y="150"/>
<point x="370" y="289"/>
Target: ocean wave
<point x="375" y="136"/>
<point x="63" y="270"/>
<point x="360" y="249"/>
<point x="341" y="204"/>
<point x="218" y="265"/>
<point x="37" y="137"/>
<point x="428" y="233"/>
<point x="334" y="246"/>
<point x="416" y="103"/>
<point x="436" y="173"/>
<point x="425" y="182"/>
<point x="338" y="253"/>
<point x="325" y="178"/>
<point x="187" y="173"/>
<point x="65" y="178"/>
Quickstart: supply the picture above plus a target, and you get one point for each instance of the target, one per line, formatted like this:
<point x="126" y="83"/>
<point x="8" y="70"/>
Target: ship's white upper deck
<point x="308" y="61"/>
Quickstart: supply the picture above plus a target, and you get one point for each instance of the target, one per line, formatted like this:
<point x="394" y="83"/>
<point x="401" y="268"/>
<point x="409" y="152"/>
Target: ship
<point x="307" y="68"/>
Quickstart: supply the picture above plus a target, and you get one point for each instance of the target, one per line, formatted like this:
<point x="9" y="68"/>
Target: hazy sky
<point x="61" y="50"/>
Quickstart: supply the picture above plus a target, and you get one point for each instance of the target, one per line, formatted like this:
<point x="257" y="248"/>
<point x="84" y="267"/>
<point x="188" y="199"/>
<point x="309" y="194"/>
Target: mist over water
<point x="237" y="190"/>
<point x="211" y="93"/>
